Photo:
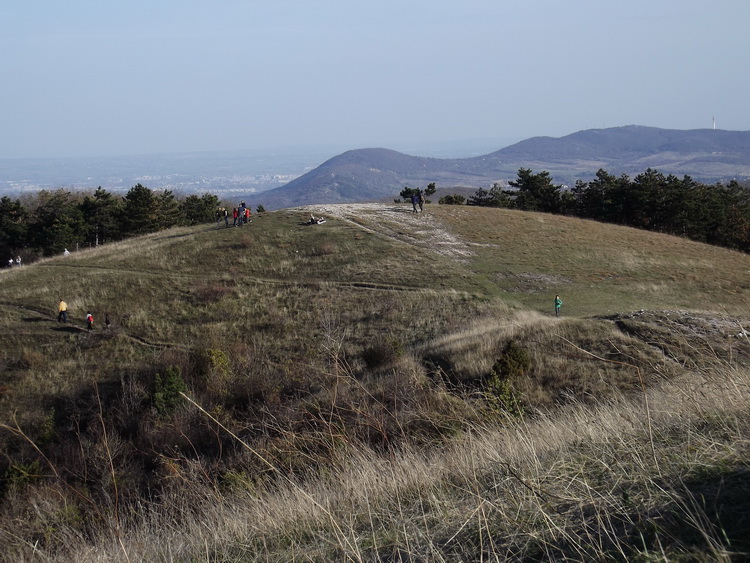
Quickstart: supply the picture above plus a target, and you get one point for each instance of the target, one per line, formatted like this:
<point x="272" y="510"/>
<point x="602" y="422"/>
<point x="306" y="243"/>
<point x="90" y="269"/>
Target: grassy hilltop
<point x="382" y="386"/>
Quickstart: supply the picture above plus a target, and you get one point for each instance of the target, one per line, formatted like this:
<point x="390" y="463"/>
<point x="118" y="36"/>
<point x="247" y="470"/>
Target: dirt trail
<point x="399" y="223"/>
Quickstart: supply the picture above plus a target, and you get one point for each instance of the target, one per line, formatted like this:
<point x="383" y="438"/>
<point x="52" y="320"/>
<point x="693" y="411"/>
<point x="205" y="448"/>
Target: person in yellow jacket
<point x="62" y="312"/>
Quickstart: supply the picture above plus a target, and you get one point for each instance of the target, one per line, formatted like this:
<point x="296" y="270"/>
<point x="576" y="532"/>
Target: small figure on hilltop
<point x="10" y="263"/>
<point x="226" y="216"/>
<point x="62" y="312"/>
<point x="414" y="202"/>
<point x="558" y="304"/>
<point x="66" y="252"/>
<point x="89" y="321"/>
<point x="18" y="260"/>
<point x="420" y="200"/>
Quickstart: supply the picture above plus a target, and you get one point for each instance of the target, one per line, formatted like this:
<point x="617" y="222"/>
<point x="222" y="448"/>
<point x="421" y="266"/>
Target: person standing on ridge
<point x="241" y="214"/>
<point x="62" y="312"/>
<point x="89" y="321"/>
<point x="558" y="304"/>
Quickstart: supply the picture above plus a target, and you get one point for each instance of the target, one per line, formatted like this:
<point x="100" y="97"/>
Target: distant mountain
<point x="707" y="155"/>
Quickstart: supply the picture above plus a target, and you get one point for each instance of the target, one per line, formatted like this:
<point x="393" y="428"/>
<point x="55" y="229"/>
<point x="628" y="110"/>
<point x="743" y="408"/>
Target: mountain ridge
<point x="707" y="155"/>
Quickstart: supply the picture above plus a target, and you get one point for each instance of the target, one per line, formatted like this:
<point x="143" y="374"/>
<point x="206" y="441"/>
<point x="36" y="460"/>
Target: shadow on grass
<point x="34" y="320"/>
<point x="708" y="514"/>
<point x="721" y="503"/>
<point x="68" y="328"/>
<point x="408" y="210"/>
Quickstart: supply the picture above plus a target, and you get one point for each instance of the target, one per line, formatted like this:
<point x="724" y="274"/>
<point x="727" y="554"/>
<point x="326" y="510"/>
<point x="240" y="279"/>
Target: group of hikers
<point x="16" y="262"/>
<point x="240" y="215"/>
<point x="62" y="316"/>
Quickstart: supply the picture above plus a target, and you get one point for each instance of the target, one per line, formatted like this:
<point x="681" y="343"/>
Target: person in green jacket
<point x="558" y="304"/>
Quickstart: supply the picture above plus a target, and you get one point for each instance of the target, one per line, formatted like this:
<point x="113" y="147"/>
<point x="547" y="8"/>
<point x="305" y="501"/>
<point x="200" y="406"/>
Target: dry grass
<point x="598" y="268"/>
<point x="350" y="361"/>
<point x="583" y="484"/>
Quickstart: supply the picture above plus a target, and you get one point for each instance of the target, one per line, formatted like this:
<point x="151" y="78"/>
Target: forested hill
<point x="707" y="155"/>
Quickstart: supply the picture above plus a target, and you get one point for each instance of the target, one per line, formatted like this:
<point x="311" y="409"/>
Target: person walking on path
<point x="420" y="200"/>
<point x="558" y="304"/>
<point x="89" y="321"/>
<point x="62" y="312"/>
<point x="414" y="201"/>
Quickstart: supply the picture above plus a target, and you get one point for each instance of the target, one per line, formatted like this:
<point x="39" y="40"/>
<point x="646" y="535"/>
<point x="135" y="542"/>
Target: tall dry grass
<point x="586" y="483"/>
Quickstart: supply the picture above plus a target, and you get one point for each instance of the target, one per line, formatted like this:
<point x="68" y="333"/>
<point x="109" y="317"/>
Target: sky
<point x="108" y="77"/>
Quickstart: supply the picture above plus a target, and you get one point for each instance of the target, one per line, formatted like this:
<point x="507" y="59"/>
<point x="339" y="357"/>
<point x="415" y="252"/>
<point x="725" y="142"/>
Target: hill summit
<point x="386" y="385"/>
<point x="707" y="155"/>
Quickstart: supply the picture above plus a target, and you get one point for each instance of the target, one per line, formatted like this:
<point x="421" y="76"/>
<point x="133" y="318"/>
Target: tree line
<point x="717" y="214"/>
<point x="48" y="222"/>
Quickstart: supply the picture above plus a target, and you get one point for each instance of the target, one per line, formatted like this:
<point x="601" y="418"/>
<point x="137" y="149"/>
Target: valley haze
<point x="289" y="176"/>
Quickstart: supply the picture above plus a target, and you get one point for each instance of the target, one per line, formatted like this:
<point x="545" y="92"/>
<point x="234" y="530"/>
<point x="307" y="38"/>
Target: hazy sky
<point x="113" y="77"/>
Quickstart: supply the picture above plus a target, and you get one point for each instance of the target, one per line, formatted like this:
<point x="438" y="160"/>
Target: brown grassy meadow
<point x="338" y="395"/>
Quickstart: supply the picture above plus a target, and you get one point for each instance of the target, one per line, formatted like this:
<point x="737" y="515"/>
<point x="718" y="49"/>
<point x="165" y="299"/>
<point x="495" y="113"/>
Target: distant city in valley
<point x="243" y="172"/>
<point x="229" y="173"/>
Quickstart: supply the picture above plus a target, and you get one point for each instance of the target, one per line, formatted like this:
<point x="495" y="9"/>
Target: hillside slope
<point x="707" y="155"/>
<point x="243" y="364"/>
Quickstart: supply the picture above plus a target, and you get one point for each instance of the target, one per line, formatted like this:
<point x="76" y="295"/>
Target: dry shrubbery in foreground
<point x="651" y="478"/>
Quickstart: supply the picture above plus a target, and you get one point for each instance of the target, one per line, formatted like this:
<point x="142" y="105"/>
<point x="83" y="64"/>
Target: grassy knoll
<point x="598" y="268"/>
<point x="382" y="386"/>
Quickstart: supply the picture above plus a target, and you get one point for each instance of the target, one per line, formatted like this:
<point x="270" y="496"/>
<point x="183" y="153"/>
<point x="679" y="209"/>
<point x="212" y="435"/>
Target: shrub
<point x="213" y="371"/>
<point x="514" y="362"/>
<point x="21" y="474"/>
<point x="454" y="199"/>
<point x="167" y="390"/>
<point x="382" y="353"/>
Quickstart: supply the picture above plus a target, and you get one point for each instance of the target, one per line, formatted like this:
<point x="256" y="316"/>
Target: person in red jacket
<point x="89" y="321"/>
